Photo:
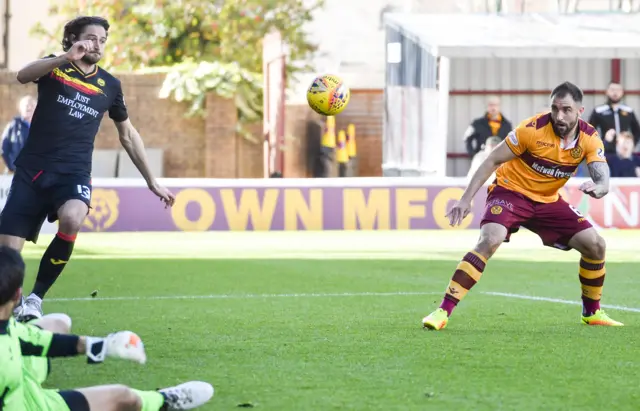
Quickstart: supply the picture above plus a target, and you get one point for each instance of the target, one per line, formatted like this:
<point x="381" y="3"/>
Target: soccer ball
<point x="328" y="95"/>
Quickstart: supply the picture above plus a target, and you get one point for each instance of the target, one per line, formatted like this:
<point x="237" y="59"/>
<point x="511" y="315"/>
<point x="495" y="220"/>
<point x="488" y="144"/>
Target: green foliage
<point x="190" y="81"/>
<point x="156" y="33"/>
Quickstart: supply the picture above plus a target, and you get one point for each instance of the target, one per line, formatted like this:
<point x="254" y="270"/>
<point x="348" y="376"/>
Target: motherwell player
<point x="532" y="164"/>
<point x="53" y="171"/>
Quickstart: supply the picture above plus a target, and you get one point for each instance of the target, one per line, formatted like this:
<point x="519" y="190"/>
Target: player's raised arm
<point x="41" y="343"/>
<point x="36" y="69"/>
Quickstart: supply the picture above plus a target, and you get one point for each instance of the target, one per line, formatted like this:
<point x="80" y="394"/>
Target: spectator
<point x="493" y="123"/>
<point x="624" y="163"/>
<point x="16" y="132"/>
<point x="613" y="118"/>
<point x="490" y="144"/>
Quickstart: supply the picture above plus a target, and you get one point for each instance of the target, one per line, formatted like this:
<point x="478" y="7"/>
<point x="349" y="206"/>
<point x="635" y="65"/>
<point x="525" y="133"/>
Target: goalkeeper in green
<point x="25" y="349"/>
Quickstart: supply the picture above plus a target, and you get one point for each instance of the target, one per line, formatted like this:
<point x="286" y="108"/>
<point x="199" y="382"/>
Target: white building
<point x="517" y="57"/>
<point x="23" y="16"/>
<point x="351" y="36"/>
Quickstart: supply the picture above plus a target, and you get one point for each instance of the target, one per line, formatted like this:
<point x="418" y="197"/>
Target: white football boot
<point x="31" y="309"/>
<point x="187" y="396"/>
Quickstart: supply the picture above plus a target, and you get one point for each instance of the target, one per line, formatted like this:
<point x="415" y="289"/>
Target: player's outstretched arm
<point x="134" y="146"/>
<point x="41" y="343"/>
<point x="501" y="154"/>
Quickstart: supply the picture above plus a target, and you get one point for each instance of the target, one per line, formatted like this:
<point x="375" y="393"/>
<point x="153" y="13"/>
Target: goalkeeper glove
<point x="125" y="345"/>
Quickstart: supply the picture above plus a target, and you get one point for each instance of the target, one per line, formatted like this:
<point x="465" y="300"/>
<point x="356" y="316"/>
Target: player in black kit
<point x="53" y="171"/>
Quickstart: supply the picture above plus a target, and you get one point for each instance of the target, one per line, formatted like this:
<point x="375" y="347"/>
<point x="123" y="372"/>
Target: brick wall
<point x="209" y="146"/>
<point x="364" y="110"/>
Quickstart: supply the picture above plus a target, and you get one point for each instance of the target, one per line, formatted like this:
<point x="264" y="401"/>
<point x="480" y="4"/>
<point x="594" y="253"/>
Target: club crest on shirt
<point x="576" y="152"/>
<point x="101" y="82"/>
<point x="495" y="210"/>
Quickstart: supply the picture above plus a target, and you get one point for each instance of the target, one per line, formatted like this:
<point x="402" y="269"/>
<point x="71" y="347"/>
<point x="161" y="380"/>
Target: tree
<point x="225" y="35"/>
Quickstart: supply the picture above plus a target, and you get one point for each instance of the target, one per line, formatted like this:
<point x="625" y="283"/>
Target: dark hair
<point x="568" y="88"/>
<point x="11" y="273"/>
<point x="75" y="27"/>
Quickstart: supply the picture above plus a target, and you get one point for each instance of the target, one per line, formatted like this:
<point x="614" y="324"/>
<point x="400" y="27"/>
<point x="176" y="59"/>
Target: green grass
<point x="285" y="327"/>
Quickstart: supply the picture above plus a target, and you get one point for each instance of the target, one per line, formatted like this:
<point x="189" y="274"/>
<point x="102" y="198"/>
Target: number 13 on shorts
<point x="84" y="191"/>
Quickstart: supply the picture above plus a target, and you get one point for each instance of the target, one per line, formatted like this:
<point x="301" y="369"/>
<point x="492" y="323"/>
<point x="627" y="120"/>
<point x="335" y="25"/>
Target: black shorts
<point x="35" y="195"/>
<point x="75" y="400"/>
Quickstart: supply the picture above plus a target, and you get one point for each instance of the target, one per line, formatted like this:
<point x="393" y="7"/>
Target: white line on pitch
<point x="559" y="301"/>
<point x="325" y="295"/>
<point x="242" y="296"/>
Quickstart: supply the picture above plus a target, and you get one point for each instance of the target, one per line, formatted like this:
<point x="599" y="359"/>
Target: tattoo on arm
<point x="599" y="172"/>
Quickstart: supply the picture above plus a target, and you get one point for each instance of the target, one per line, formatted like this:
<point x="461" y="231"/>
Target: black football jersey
<point x="67" y="118"/>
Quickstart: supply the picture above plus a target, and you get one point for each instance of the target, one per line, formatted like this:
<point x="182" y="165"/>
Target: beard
<point x="562" y="129"/>
<point x="611" y="101"/>
<point x="90" y="58"/>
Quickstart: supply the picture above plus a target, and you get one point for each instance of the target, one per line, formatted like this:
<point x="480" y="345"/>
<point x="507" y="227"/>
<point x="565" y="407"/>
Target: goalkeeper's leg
<point x="38" y="368"/>
<point x="467" y="274"/>
<point x="57" y="323"/>
<point x="186" y="396"/>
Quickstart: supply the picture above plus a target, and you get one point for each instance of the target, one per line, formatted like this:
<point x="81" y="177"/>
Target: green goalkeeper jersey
<point x="17" y="384"/>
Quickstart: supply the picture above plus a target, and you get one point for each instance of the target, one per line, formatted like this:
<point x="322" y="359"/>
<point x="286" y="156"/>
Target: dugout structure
<point x="422" y="50"/>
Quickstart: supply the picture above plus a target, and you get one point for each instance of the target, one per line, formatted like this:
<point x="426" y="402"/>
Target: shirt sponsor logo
<point x="551" y="172"/>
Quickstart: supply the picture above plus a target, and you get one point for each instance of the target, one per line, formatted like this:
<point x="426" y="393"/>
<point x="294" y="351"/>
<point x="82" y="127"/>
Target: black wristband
<point x="63" y="345"/>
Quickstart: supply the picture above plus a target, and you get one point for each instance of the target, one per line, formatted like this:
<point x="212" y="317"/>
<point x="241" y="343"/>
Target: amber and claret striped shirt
<point x="543" y="166"/>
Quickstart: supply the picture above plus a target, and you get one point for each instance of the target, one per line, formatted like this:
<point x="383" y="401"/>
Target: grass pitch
<point x="332" y="320"/>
